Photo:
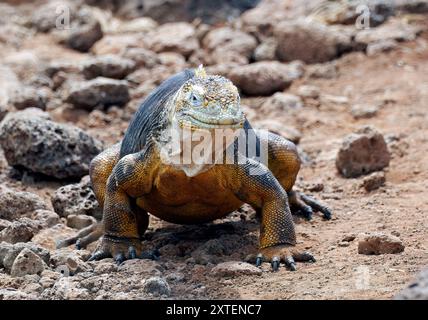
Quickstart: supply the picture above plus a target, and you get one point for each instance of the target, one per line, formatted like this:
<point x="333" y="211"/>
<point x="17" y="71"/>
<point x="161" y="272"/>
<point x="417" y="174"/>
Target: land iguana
<point x="134" y="177"/>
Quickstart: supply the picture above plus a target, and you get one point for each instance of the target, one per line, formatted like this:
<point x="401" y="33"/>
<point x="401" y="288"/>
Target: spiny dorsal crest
<point x="200" y="72"/>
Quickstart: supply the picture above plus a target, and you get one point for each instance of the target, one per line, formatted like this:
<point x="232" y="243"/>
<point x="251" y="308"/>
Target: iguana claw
<point x="132" y="253"/>
<point x="283" y="253"/>
<point x="119" y="258"/>
<point x="289" y="262"/>
<point x="275" y="263"/>
<point x="259" y="260"/>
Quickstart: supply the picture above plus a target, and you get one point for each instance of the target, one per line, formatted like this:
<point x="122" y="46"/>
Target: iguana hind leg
<point x="84" y="237"/>
<point x="100" y="169"/>
<point x="306" y="205"/>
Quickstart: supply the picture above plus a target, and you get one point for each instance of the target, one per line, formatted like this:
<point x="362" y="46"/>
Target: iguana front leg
<point x="130" y="178"/>
<point x="253" y="183"/>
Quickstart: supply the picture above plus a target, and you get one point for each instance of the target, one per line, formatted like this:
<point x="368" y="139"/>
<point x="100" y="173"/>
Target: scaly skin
<point x="131" y="181"/>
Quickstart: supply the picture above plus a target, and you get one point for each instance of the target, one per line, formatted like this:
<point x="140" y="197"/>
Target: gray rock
<point x="104" y="266"/>
<point x="362" y="152"/>
<point x="334" y="100"/>
<point x="283" y="102"/>
<point x="266" y="50"/>
<point x="48" y="278"/>
<point x="226" y="42"/>
<point x="13" y="294"/>
<point x="27" y="262"/>
<point x="109" y="66"/>
<point x="307" y="91"/>
<point x="4" y="109"/>
<point x="56" y="66"/>
<point x="8" y="11"/>
<point x="80" y="221"/>
<point x="5" y="248"/>
<point x="345" y="12"/>
<point x="173" y="60"/>
<point x="373" y="181"/>
<point x="14" y="204"/>
<point x="364" y="111"/>
<point x="51" y="237"/>
<point x="309" y="42"/>
<point x="43" y="146"/>
<point x="177" y="37"/>
<point x="99" y="91"/>
<point x="4" y="224"/>
<point x="349" y="237"/>
<point x="326" y="70"/>
<point x="84" y="31"/>
<point x="381" y="46"/>
<point x="379" y="243"/>
<point x="279" y="128"/>
<point x="262" y="20"/>
<point x="33" y="113"/>
<point x="45" y="17"/>
<point x="67" y="288"/>
<point x="265" y="77"/>
<point x="142" y="267"/>
<point x="70" y="262"/>
<point x="27" y="97"/>
<point x="235" y="268"/>
<point x="412" y="6"/>
<point x="417" y="289"/>
<point x="394" y="29"/>
<point x="46" y="217"/>
<point x="138" y="25"/>
<point x="170" y="250"/>
<point x="179" y="10"/>
<point x="8" y="253"/>
<point x="141" y="57"/>
<point x="175" y="277"/>
<point x="157" y="286"/>
<point x="21" y="230"/>
<point x="76" y="199"/>
<point x="209" y="252"/>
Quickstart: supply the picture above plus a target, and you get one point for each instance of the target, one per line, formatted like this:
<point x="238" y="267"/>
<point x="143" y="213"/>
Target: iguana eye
<point x="195" y="100"/>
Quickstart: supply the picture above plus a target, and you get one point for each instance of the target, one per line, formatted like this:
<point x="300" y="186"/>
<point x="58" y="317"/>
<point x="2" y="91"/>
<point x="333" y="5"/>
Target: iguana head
<point x="208" y="102"/>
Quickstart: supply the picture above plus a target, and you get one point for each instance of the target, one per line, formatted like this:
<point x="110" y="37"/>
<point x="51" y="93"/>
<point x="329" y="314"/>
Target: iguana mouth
<point x="198" y="119"/>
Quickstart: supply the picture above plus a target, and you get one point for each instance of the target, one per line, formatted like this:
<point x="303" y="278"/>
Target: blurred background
<point x="347" y="81"/>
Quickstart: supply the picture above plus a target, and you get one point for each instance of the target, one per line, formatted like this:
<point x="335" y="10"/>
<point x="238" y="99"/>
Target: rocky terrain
<point x="350" y="88"/>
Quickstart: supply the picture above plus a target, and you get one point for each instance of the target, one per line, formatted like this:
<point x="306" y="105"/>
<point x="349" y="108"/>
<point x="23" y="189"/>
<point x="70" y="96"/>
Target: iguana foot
<point x="287" y="254"/>
<point x="121" y="249"/>
<point x="83" y="238"/>
<point x="306" y="205"/>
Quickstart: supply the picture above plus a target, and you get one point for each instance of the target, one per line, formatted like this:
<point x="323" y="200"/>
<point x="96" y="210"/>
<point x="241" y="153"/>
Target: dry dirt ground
<point x="398" y="80"/>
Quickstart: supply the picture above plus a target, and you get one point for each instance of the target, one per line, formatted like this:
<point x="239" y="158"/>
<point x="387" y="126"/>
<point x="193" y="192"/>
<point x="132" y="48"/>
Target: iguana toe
<point x="316" y="206"/>
<point x="282" y="253"/>
<point x="119" y="258"/>
<point x="290" y="263"/>
<point x="275" y="263"/>
<point x="132" y="253"/>
<point x="259" y="260"/>
<point x="151" y="255"/>
<point x="119" y="248"/>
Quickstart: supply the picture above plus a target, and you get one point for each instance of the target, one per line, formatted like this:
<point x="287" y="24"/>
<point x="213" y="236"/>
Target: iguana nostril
<point x="213" y="109"/>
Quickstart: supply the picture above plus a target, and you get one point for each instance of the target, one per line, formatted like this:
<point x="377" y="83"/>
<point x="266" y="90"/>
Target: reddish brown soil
<point x="399" y="79"/>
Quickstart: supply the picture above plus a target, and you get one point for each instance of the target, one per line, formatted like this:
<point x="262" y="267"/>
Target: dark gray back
<point x="149" y="121"/>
